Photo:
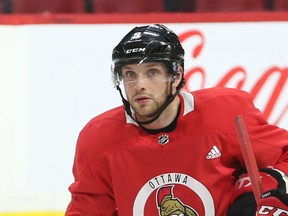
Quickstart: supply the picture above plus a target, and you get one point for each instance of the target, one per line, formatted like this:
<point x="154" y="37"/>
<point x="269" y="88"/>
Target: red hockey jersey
<point x="122" y="170"/>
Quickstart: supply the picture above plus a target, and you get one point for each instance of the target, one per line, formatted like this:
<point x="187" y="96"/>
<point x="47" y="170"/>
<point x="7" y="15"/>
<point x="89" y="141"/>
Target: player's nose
<point x="141" y="83"/>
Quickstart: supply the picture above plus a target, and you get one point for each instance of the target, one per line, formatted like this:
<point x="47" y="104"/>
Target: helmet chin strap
<point x="168" y="100"/>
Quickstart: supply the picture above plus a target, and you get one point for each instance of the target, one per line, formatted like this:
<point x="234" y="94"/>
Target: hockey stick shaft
<point x="249" y="157"/>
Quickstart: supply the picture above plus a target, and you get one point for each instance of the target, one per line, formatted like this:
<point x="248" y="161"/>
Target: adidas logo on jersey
<point x="214" y="153"/>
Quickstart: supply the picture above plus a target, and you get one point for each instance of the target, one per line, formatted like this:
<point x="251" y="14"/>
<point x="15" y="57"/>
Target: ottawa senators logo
<point x="173" y="194"/>
<point x="169" y="205"/>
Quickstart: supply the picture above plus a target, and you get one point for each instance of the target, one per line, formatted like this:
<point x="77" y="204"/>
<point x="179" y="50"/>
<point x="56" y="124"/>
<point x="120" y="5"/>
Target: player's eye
<point x="129" y="74"/>
<point x="153" y="72"/>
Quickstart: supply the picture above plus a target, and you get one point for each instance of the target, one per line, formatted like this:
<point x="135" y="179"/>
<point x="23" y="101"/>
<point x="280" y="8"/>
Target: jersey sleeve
<point x="91" y="191"/>
<point x="269" y="142"/>
<point x="270" y="147"/>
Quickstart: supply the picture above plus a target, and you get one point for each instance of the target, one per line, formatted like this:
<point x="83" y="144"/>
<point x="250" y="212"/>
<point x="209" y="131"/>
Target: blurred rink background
<point x="55" y="58"/>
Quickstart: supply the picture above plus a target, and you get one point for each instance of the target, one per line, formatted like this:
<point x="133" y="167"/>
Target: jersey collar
<point x="187" y="103"/>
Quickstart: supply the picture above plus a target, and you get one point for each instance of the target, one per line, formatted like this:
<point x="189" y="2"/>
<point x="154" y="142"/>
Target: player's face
<point x="147" y="86"/>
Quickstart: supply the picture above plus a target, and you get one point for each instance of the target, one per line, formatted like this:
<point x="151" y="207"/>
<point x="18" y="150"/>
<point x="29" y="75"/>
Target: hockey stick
<point x="249" y="158"/>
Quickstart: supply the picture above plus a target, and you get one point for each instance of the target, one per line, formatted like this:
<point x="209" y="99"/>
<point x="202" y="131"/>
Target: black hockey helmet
<point x="149" y="43"/>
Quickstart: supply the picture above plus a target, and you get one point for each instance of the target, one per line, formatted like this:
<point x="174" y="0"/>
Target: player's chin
<point x="144" y="113"/>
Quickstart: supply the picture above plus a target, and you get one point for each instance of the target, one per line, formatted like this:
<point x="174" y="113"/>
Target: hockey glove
<point x="243" y="201"/>
<point x="273" y="203"/>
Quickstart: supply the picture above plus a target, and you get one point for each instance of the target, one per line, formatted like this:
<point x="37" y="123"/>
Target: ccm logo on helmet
<point x="135" y="50"/>
<point x="268" y="210"/>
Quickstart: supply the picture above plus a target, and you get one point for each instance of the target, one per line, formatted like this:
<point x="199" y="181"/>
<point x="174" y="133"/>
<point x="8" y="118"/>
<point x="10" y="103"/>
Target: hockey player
<point x="167" y="152"/>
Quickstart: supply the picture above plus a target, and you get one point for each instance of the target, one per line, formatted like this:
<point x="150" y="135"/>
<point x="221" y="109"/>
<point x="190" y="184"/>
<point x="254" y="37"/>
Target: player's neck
<point x="166" y="117"/>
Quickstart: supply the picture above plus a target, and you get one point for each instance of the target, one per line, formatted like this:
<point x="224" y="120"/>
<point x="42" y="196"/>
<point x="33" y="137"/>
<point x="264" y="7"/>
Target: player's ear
<point x="178" y="76"/>
<point x="180" y="73"/>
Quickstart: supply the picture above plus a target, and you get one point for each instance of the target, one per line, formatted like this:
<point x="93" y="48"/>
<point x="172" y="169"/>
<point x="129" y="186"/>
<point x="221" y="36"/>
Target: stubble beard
<point x="148" y="111"/>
